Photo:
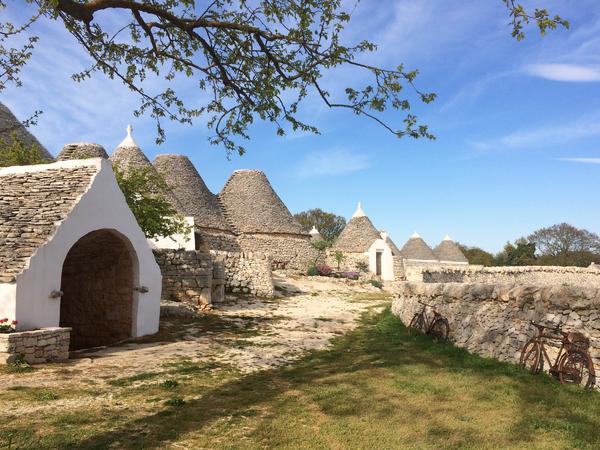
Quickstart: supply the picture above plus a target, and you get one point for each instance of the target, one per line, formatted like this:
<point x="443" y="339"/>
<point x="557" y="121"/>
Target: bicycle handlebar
<point x="556" y="328"/>
<point x="425" y="304"/>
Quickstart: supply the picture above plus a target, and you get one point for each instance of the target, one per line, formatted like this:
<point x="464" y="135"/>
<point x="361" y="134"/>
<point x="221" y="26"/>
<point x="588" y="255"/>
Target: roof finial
<point x="314" y="230"/>
<point x="359" y="211"/>
<point x="415" y="235"/>
<point x="447" y="238"/>
<point x="129" y="141"/>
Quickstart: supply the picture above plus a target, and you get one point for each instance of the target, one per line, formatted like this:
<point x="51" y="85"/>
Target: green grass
<point x="377" y="387"/>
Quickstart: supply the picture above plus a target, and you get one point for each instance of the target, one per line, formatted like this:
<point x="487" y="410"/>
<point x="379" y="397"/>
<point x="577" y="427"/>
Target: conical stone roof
<point x="448" y="251"/>
<point x="358" y="234"/>
<point x="9" y="124"/>
<point x="416" y="248"/>
<point x="129" y="154"/>
<point x="193" y="195"/>
<point x="253" y="206"/>
<point x="315" y="235"/>
<point x="82" y="150"/>
<point x="391" y="244"/>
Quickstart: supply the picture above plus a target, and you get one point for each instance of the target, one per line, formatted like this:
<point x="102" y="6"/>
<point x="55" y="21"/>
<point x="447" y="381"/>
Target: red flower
<point x="14" y="322"/>
<point x="3" y="320"/>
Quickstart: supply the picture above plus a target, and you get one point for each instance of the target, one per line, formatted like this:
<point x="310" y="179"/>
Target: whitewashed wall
<point x="102" y="206"/>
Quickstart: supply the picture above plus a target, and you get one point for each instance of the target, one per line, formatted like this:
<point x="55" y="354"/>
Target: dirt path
<point x="241" y="334"/>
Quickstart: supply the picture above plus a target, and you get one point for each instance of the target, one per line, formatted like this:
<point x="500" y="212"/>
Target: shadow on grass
<point x="347" y="381"/>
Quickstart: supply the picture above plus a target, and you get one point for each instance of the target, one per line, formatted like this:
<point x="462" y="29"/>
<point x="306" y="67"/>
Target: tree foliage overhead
<point x="252" y="59"/>
<point x="329" y="225"/>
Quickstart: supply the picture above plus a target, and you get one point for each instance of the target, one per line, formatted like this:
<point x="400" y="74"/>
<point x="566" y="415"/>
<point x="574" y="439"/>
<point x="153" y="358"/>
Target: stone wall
<point x="288" y="251"/>
<point x="494" y="320"/>
<point x="35" y="347"/>
<point x="399" y="273"/>
<point x="537" y="275"/>
<point x="350" y="261"/>
<point x="217" y="240"/>
<point x="247" y="273"/>
<point x="187" y="276"/>
<point x="200" y="278"/>
<point x="415" y="270"/>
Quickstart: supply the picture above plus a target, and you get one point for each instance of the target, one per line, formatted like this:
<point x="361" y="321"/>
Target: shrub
<point x="362" y="266"/>
<point x="175" y="401"/>
<point x="351" y="275"/>
<point x="376" y="283"/>
<point x="169" y="384"/>
<point x="6" y="326"/>
<point x="324" y="270"/>
<point x="312" y="271"/>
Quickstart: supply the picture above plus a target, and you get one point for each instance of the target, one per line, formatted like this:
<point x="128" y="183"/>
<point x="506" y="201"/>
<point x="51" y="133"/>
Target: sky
<point x="517" y="123"/>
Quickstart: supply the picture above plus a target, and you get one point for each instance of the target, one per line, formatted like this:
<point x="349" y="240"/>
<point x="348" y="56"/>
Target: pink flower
<point x="14" y="322"/>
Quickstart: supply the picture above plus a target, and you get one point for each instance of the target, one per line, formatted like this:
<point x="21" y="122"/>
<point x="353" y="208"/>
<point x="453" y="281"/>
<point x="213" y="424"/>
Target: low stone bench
<point x="35" y="347"/>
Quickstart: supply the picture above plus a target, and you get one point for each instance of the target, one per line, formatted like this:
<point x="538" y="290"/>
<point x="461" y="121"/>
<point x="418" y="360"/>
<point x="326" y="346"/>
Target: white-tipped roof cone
<point x="447" y="238"/>
<point x="314" y="230"/>
<point x="128" y="141"/>
<point x="359" y="211"/>
<point x="415" y="235"/>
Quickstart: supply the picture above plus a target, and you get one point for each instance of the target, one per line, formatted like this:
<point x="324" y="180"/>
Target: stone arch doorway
<point x="97" y="283"/>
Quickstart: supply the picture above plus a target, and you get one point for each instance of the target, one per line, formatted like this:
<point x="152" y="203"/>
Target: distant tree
<point x="521" y="253"/>
<point x="17" y="153"/>
<point x="563" y="239"/>
<point x="144" y="192"/>
<point x="329" y="224"/>
<point x="579" y="259"/>
<point x="478" y="256"/>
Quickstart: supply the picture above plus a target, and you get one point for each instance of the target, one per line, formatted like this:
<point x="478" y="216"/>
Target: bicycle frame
<point x="552" y="368"/>
<point x="428" y="323"/>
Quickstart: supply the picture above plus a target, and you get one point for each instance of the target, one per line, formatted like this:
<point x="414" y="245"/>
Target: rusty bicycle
<point x="436" y="327"/>
<point x="573" y="363"/>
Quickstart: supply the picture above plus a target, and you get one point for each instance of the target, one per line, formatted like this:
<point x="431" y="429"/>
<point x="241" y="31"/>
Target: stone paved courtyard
<point x="241" y="334"/>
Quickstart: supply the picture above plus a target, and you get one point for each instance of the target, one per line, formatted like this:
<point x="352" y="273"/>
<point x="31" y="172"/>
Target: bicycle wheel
<point x="531" y="357"/>
<point x="439" y="329"/>
<point x="576" y="367"/>
<point x="417" y="323"/>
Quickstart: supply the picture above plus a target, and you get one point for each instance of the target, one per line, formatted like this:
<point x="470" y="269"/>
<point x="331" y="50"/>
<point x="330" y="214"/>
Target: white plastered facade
<point x="387" y="259"/>
<point x="179" y="241"/>
<point x="101" y="207"/>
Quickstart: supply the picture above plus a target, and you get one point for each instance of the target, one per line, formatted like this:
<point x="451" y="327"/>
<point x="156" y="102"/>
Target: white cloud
<point x="334" y="162"/>
<point x="577" y="73"/>
<point x="582" y="127"/>
<point x="582" y="160"/>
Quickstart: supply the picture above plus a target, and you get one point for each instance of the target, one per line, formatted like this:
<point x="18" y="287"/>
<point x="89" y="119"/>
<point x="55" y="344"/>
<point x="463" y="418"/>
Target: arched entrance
<point x="97" y="284"/>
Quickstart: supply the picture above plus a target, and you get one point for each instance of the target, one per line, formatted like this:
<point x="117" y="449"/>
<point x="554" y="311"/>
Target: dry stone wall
<point x="349" y="263"/>
<point x="200" y="278"/>
<point x="247" y="273"/>
<point x="35" y="347"/>
<point x="493" y="320"/>
<point x="536" y="275"/>
<point x="217" y="240"/>
<point x="187" y="276"/>
<point x="288" y="251"/>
